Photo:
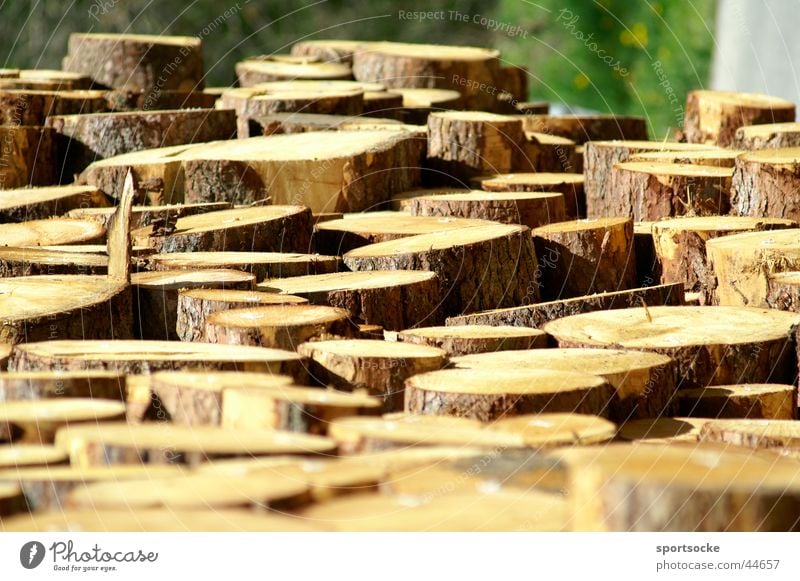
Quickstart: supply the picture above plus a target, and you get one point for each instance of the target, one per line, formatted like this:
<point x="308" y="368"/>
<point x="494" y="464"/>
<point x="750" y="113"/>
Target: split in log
<point x="645" y="382"/>
<point x="393" y="299"/>
<point x="397" y="64"/>
<point x="625" y="487"/>
<point x="137" y="62"/>
<point x="137" y="357"/>
<point x="83" y="139"/>
<point x="195" y="306"/>
<point x="194" y="398"/>
<point x="278" y="326"/>
<point x="715" y="116"/>
<point x="34" y="385"/>
<point x="530" y="209"/>
<point x="156" y="296"/>
<point x="744" y="263"/>
<point x="583" y="128"/>
<point x="469" y="339"/>
<point x="252" y="72"/>
<point x="256" y="229"/>
<point x="600" y="157"/>
<point x="479" y="268"/>
<point x="700" y="340"/>
<point x="31" y="456"/>
<point x="379" y="367"/>
<point x="680" y="246"/>
<point x="568" y="184"/>
<point x="336" y="237"/>
<point x="38" y="421"/>
<point x="157" y="443"/>
<point x="262" y="265"/>
<point x="769" y="401"/>
<point x="539" y="314"/>
<point x="327" y="171"/>
<point x="21" y="205"/>
<point x="489" y="395"/>
<point x="585" y="257"/>
<point x="463" y="144"/>
<point x="765" y="184"/>
<point x="654" y="191"/>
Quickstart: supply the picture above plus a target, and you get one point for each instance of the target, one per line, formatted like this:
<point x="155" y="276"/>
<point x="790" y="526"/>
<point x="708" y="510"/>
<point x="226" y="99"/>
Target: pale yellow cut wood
<point x="39" y="420"/>
<point x="570" y="185"/>
<point x="468" y="339"/>
<point x="769" y="401"/>
<point x="663" y="430"/>
<point x="30" y="455"/>
<point x="32" y="385"/>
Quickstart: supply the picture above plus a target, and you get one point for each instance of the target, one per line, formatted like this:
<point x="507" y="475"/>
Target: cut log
<point x="21" y="107"/>
<point x="464" y="144"/>
<point x="468" y="339"/>
<point x="779" y="435"/>
<point x="715" y="116"/>
<point x="761" y="350"/>
<point x="263" y="265"/>
<point x="744" y="263"/>
<point x="142" y="216"/>
<point x="492" y="394"/>
<point x="336" y="237"/>
<point x="537" y="315"/>
<point x="195" y="306"/>
<point x="252" y="72"/>
<point x="600" y="157"/>
<point x="70" y="384"/>
<point x="20" y="205"/>
<point x="715" y="157"/>
<point x="765" y="183"/>
<point x="784" y="291"/>
<point x="479" y="268"/>
<point x="401" y="201"/>
<point x="31" y="456"/>
<point x="29" y="155"/>
<point x="282" y="123"/>
<point x="371" y="435"/>
<point x="158" y="100"/>
<point x="83" y="139"/>
<point x="585" y="257"/>
<point x="158" y="443"/>
<point x="38" y="421"/>
<point x="663" y="430"/>
<point x="543" y="152"/>
<point x="200" y="491"/>
<point x="156" y="520"/>
<point x="530" y="209"/>
<point x="335" y="51"/>
<point x="583" y="128"/>
<point x="625" y="487"/>
<point x="468" y="70"/>
<point x="680" y="245"/>
<point x="138" y="357"/>
<point x="645" y="383"/>
<point x="767" y="136"/>
<point x="32" y="261"/>
<point x="295" y="409"/>
<point x="51" y="232"/>
<point x="259" y="229"/>
<point x="64" y="80"/>
<point x="278" y="326"/>
<point x="137" y="62"/>
<point x="377" y="366"/>
<point x="156" y="296"/>
<point x="568" y="184"/>
<point x="418" y="104"/>
<point x="768" y="401"/>
<point x="394" y="299"/>
<point x="654" y="191"/>
<point x="328" y="171"/>
<point x="195" y="398"/>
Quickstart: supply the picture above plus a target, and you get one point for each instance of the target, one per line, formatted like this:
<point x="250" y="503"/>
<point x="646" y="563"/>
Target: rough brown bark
<point x="767" y="136"/>
<point x="137" y="62"/>
<point x="715" y="116"/>
<point x="783" y="291"/>
<point x="337" y="51"/>
<point x="157" y="100"/>
<point x="29" y="155"/>
<point x="585" y="257"/>
<point x="479" y="268"/>
<point x="542" y="152"/>
<point x="568" y="184"/>
<point x="252" y="72"/>
<point x="470" y="339"/>
<point x="768" y="401"/>
<point x="54" y="384"/>
<point x="20" y="107"/>
<point x="765" y="184"/>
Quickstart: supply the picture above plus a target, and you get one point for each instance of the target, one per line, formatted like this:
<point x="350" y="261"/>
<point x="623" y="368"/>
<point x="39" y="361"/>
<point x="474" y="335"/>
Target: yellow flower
<point x="581" y="81"/>
<point x="637" y="35"/>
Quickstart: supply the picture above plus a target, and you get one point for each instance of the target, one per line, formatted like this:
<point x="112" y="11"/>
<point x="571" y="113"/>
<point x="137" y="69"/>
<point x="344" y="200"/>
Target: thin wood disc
<point x="29" y="455"/>
<point x="50" y="232"/>
<point x="262" y="264"/>
<point x="561" y="429"/>
<point x="468" y="339"/>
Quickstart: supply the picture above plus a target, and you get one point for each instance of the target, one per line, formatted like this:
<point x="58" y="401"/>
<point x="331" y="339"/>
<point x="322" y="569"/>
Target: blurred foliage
<point x="563" y="66"/>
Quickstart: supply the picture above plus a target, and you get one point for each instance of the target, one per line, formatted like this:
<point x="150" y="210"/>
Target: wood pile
<point x="376" y="287"/>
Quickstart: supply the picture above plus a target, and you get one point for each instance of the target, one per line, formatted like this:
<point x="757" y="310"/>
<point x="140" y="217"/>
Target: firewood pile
<point x="373" y="287"/>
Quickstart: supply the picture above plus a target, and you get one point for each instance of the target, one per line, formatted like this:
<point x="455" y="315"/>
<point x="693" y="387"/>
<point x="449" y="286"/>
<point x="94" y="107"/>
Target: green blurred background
<point x="629" y="57"/>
